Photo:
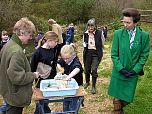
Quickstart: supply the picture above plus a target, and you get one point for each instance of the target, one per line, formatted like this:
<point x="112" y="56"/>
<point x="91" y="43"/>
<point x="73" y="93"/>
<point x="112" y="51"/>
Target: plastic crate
<point x="54" y="91"/>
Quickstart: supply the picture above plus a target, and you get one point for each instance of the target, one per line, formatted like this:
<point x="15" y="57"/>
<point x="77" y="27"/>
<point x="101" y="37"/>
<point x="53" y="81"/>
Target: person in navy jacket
<point x="73" y="69"/>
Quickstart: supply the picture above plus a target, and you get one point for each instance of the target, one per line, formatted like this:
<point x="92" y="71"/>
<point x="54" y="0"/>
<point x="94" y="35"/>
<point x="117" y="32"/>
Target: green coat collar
<point x="17" y="40"/>
<point x="125" y="37"/>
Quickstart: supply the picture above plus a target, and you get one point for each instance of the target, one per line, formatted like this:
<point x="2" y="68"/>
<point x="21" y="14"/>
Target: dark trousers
<point x="69" y="39"/>
<point x="13" y="109"/>
<point x="91" y="63"/>
<point x="70" y="104"/>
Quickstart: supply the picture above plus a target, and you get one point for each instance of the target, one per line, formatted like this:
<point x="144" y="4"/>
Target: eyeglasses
<point x="126" y="22"/>
<point x="91" y="25"/>
<point x="67" y="58"/>
<point x="5" y="34"/>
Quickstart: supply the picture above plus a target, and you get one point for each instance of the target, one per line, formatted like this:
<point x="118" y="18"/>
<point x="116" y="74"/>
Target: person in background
<point x="58" y="30"/>
<point x="69" y="34"/>
<point x="16" y="78"/>
<point x="38" y="37"/>
<point x="103" y="36"/>
<point x="92" y="53"/>
<point x="105" y="32"/>
<point x="73" y="68"/>
<point x="46" y="53"/>
<point x="129" y="53"/>
<point x="4" y="39"/>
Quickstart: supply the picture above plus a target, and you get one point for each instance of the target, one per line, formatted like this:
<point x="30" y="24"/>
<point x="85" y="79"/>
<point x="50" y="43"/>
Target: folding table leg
<point x="79" y="102"/>
<point x="40" y="107"/>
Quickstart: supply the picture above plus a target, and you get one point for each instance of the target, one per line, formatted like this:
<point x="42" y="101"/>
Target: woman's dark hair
<point x="132" y="12"/>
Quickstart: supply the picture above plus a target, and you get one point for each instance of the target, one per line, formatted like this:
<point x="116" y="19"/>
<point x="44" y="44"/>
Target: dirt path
<point x="99" y="103"/>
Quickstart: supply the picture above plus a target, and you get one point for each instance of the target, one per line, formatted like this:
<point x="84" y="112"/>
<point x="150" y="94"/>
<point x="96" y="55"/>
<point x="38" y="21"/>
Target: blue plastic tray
<point x="47" y="91"/>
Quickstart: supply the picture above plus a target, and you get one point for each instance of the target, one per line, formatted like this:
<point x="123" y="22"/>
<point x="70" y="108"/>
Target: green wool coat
<point x="131" y="59"/>
<point x="16" y="77"/>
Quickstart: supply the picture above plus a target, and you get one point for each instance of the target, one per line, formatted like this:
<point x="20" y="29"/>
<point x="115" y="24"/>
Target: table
<point x="79" y="97"/>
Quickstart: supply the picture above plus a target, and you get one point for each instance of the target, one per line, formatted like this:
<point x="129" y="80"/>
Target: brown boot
<point x="124" y="103"/>
<point x="117" y="106"/>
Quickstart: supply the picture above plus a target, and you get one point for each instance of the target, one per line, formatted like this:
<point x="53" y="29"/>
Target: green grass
<point x="142" y="103"/>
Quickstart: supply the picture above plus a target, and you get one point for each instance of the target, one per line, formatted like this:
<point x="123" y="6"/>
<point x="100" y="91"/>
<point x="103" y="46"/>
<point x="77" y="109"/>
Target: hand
<point x="131" y="73"/>
<point x="37" y="74"/>
<point x="61" y="70"/>
<point x="67" y="78"/>
<point x="49" y="21"/>
<point x="124" y="72"/>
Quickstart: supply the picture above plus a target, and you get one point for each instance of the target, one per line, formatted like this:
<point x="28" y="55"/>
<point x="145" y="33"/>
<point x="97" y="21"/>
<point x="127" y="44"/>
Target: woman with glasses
<point x="16" y="78"/>
<point x="129" y="53"/>
<point x="92" y="54"/>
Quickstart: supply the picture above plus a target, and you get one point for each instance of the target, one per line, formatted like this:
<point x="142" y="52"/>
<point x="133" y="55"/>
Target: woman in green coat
<point x="130" y="50"/>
